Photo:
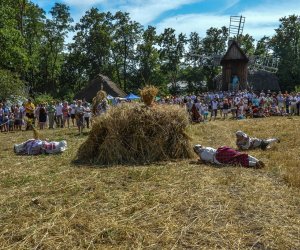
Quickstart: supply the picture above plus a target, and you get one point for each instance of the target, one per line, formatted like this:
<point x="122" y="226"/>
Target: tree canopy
<point x="35" y="54"/>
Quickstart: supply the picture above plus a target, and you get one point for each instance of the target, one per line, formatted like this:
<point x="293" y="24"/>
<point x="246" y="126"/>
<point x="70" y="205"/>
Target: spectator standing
<point x="51" y="114"/>
<point x="59" y="115"/>
<point x="79" y="111"/>
<point x="72" y="112"/>
<point x="42" y="114"/>
<point x="66" y="114"/>
<point x="87" y="114"/>
<point x="214" y="108"/>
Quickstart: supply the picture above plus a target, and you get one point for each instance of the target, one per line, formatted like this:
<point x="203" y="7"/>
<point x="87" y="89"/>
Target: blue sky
<point x="262" y="16"/>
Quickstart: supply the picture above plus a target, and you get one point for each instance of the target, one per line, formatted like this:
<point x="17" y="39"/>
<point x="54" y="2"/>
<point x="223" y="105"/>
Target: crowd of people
<point x="239" y="105"/>
<point x="59" y="114"/>
<point x="203" y="107"/>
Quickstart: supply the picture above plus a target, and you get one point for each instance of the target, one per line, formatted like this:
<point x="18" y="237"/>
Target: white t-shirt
<point x="73" y="107"/>
<point x="214" y="104"/>
<point x="58" y="109"/>
<point x="87" y="112"/>
<point x="209" y="155"/>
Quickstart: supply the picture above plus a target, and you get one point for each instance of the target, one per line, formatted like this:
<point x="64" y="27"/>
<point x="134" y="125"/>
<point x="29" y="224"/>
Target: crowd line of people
<point x="204" y="107"/>
<point x="240" y="105"/>
<point x="59" y="114"/>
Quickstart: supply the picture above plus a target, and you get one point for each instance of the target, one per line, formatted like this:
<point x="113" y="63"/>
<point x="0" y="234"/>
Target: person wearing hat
<point x="244" y="142"/>
<point x="226" y="155"/>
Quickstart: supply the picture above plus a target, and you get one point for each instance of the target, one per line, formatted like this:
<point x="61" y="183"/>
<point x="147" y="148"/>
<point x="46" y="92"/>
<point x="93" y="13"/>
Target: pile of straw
<point x="148" y="94"/>
<point x="135" y="134"/>
<point x="101" y="95"/>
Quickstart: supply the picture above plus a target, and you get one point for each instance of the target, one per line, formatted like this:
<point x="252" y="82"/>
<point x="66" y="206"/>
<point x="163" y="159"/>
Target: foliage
<point x="286" y="45"/>
<point x="33" y="45"/>
<point x="10" y="85"/>
<point x="43" y="98"/>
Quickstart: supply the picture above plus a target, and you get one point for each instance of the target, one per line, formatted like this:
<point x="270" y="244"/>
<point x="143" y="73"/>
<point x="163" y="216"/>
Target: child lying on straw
<point x="226" y="155"/>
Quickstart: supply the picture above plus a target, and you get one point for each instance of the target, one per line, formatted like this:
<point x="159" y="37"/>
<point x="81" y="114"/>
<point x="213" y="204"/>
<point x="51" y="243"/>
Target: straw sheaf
<point x="101" y="95"/>
<point x="133" y="133"/>
<point x="148" y="94"/>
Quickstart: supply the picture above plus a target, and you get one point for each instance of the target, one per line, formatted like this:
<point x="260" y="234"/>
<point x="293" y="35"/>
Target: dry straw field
<point x="48" y="202"/>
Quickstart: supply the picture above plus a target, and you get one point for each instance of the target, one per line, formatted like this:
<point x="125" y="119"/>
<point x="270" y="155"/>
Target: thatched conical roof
<point x="262" y="80"/>
<point x="101" y="82"/>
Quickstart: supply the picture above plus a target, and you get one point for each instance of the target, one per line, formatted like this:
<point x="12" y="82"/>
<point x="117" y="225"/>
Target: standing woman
<point x="18" y="117"/>
<point x="79" y="111"/>
<point x="226" y="107"/>
<point x="42" y="116"/>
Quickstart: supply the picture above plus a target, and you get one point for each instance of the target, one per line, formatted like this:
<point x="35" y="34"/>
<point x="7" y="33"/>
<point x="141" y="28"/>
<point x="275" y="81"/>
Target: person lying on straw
<point x="37" y="146"/>
<point x="226" y="155"/>
<point x="244" y="142"/>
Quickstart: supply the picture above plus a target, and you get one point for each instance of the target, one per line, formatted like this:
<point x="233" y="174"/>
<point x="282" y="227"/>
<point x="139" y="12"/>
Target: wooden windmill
<point x="235" y="63"/>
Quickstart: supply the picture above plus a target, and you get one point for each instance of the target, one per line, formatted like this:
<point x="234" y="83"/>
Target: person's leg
<point x="272" y="140"/>
<point x="88" y="122"/>
<point x="253" y="162"/>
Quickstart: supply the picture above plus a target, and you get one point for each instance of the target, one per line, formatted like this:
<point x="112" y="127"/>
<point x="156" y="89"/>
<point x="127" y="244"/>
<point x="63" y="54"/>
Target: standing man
<point x="59" y="114"/>
<point x="214" y="108"/>
<point x="51" y="114"/>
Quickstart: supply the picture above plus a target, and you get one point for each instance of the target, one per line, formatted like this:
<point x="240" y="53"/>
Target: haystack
<point x="99" y="98"/>
<point x="136" y="134"/>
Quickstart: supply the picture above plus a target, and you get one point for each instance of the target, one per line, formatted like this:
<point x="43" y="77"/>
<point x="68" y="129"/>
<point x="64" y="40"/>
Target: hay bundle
<point x="148" y="94"/>
<point x="135" y="134"/>
<point x="100" y="97"/>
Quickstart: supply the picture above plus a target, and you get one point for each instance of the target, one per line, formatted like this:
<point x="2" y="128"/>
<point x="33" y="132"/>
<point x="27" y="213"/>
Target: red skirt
<point x="227" y="155"/>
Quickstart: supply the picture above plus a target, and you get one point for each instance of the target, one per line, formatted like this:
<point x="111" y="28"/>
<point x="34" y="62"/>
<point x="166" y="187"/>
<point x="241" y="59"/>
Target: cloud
<point x="141" y="11"/>
<point x="261" y="20"/>
<point x="193" y="23"/>
<point x="84" y="3"/>
<point x="145" y="12"/>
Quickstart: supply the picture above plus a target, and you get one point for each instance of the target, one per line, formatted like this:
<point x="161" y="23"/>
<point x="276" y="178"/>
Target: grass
<point x="46" y="202"/>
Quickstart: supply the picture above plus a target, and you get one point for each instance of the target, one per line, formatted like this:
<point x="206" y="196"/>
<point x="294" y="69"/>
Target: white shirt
<point x="209" y="155"/>
<point x="73" y="107"/>
<point x="58" y="109"/>
<point x="87" y="112"/>
<point x="214" y="104"/>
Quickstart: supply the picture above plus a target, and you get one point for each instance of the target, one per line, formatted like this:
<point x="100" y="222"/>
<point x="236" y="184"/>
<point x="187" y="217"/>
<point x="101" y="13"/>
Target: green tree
<point x="246" y="43"/>
<point x="10" y="84"/>
<point x="171" y="53"/>
<point x="12" y="53"/>
<point x="56" y="29"/>
<point x="214" y="44"/>
<point x="148" y="58"/>
<point x="126" y="34"/>
<point x="286" y="45"/>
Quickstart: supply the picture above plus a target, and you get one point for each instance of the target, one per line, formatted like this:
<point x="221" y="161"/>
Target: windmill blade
<point x="236" y="26"/>
<point x="207" y="59"/>
<point x="267" y="63"/>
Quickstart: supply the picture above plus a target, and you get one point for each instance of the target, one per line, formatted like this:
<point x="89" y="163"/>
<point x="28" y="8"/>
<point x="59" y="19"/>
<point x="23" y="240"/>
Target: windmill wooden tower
<point x="235" y="63"/>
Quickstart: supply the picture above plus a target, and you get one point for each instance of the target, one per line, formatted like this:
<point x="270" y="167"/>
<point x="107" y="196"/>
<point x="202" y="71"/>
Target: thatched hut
<point x="101" y="82"/>
<point x="262" y="80"/>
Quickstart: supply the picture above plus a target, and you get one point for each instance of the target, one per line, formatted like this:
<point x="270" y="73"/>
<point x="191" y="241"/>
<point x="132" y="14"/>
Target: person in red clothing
<point x="226" y="155"/>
